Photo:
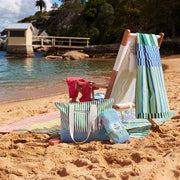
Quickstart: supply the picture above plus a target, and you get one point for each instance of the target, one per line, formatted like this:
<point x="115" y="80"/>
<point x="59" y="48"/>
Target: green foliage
<point x="63" y="20"/>
<point x="34" y="17"/>
<point x="94" y="34"/>
<point x="104" y="21"/>
<point x="90" y="11"/>
<point x="53" y="13"/>
<point x="105" y="15"/>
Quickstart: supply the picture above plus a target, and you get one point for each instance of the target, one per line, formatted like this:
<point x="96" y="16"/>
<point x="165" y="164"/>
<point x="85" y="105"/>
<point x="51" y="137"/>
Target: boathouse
<point x="20" y="40"/>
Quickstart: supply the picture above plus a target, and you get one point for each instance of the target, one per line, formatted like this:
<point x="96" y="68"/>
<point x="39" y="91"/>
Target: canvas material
<point x="81" y="136"/>
<point x="125" y="81"/>
<point x="113" y="126"/>
<point x="92" y="115"/>
<point x="81" y="117"/>
<point x="151" y="97"/>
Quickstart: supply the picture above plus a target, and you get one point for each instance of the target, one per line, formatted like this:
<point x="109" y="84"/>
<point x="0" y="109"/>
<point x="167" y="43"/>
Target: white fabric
<point x="155" y="39"/>
<point x="147" y="37"/>
<point x="123" y="91"/>
<point x="91" y="121"/>
<point x="132" y="63"/>
<point x="120" y="57"/>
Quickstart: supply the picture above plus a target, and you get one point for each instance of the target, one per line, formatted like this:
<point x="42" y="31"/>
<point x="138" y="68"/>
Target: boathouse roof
<point x="19" y="26"/>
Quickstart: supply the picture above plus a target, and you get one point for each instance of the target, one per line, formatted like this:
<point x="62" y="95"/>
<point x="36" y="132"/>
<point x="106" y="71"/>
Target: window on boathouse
<point x="16" y="33"/>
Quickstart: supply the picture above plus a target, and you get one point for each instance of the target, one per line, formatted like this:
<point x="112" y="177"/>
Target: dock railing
<point x="62" y="42"/>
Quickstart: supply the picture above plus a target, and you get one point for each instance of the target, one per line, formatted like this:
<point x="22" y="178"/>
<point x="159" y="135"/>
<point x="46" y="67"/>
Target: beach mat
<point x="26" y="124"/>
<point x="50" y="127"/>
<point x="140" y="128"/>
<point x="50" y="123"/>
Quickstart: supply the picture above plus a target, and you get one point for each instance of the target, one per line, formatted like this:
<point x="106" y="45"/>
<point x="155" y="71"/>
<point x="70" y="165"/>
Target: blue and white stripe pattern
<point x="151" y="98"/>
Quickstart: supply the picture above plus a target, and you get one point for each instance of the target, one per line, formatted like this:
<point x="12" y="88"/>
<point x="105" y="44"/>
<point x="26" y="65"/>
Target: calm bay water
<point x="27" y="78"/>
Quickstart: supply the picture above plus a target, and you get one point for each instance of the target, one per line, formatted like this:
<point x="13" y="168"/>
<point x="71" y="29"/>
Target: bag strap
<point x="91" y="95"/>
<point x="91" y="121"/>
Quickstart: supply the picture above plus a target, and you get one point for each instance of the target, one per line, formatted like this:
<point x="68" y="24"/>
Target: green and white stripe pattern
<point x="151" y="98"/>
<point x="81" y="112"/>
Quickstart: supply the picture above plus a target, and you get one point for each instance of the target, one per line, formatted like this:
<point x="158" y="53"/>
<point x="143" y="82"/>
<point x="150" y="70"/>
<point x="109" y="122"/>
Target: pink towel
<point x="86" y="92"/>
<point x="86" y="89"/>
<point x="72" y="85"/>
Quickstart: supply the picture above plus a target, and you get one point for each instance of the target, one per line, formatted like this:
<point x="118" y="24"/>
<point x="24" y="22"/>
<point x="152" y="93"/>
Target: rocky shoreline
<point x="107" y="51"/>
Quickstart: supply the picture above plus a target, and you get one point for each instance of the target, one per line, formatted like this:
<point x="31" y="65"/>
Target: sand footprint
<point x="81" y="162"/>
<point x="176" y="173"/>
<point x="62" y="172"/>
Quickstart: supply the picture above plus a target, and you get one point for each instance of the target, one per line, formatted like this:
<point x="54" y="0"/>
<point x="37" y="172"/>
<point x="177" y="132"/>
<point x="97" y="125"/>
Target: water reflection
<point x="29" y="73"/>
<point x="3" y="53"/>
<point x="28" y="65"/>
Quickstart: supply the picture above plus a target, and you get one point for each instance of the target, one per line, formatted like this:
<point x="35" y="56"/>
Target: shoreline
<point x="28" y="82"/>
<point x="58" y="88"/>
<point x="44" y="103"/>
<point x="42" y="92"/>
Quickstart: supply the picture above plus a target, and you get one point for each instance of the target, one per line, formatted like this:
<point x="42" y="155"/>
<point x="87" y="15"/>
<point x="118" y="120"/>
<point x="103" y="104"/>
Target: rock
<point x="39" y="32"/>
<point x="1" y="40"/>
<point x="99" y="51"/>
<point x="67" y="58"/>
<point x="42" y="22"/>
<point x="41" y="49"/>
<point x="3" y="44"/>
<point x="53" y="57"/>
<point x="75" y="55"/>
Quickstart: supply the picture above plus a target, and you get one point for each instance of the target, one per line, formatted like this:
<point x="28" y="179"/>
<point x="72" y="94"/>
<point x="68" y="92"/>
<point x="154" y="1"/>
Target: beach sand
<point x="154" y="157"/>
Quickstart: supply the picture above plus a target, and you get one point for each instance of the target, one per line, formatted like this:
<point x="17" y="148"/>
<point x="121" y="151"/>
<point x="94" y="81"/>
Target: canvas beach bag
<point x="80" y="122"/>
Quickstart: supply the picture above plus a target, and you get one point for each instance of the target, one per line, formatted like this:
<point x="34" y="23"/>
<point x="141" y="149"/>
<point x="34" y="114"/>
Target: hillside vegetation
<point x="104" y="21"/>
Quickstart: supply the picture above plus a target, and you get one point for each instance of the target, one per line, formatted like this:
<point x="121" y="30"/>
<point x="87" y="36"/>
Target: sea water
<point x="26" y="78"/>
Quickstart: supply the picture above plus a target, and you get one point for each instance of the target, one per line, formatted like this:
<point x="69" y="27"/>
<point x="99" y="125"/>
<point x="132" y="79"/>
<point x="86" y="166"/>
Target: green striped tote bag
<point x="80" y="121"/>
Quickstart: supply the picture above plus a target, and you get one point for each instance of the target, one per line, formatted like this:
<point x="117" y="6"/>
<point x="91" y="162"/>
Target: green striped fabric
<point x="81" y="111"/>
<point x="151" y="97"/>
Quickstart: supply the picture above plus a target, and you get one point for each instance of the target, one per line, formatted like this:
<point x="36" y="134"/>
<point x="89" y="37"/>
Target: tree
<point x="65" y="1"/>
<point x="91" y="9"/>
<point x="41" y="4"/>
<point x="73" y="1"/>
<point x="54" y="6"/>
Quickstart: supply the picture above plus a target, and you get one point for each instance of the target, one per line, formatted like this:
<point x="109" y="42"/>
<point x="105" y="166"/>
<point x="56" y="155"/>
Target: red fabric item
<point x="72" y="85"/>
<point x="86" y="91"/>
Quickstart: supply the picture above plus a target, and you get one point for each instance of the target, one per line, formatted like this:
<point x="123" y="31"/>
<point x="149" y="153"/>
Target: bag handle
<point x="91" y="121"/>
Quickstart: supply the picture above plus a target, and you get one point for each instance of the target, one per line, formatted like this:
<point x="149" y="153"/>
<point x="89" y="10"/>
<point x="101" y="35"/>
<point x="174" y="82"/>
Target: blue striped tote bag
<point x="80" y="122"/>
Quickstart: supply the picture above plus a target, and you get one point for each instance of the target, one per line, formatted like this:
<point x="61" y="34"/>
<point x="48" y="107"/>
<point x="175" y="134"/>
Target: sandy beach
<point x="154" y="157"/>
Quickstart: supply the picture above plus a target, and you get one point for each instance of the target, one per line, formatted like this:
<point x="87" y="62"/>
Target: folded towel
<point x="151" y="98"/>
<point x="114" y="128"/>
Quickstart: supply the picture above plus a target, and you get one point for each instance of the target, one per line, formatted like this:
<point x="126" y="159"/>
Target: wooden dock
<point x="61" y="42"/>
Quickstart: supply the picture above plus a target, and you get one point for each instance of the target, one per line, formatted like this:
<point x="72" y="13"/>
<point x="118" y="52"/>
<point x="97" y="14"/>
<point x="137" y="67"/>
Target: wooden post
<point x="41" y="42"/>
<point x="53" y="42"/>
<point x="114" y="73"/>
<point x="160" y="39"/>
<point x="69" y="42"/>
